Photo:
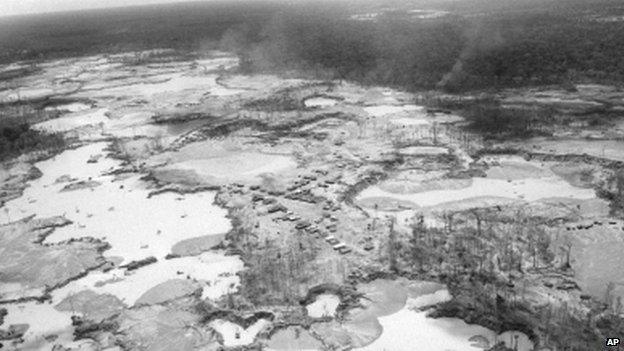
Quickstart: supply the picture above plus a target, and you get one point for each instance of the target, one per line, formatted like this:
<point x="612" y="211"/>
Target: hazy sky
<point x="18" y="7"/>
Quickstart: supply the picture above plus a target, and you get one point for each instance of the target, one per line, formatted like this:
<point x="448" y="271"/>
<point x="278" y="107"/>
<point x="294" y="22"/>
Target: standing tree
<point x="416" y="243"/>
<point x="618" y="202"/>
<point x="566" y="249"/>
<point x="392" y="247"/>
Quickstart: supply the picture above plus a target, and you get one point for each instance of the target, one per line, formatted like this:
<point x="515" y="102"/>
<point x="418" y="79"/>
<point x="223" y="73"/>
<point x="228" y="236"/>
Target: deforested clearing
<point x="271" y="177"/>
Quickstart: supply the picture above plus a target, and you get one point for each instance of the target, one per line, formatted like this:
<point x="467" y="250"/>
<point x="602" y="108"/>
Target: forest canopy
<point x="453" y="53"/>
<point x="474" y="44"/>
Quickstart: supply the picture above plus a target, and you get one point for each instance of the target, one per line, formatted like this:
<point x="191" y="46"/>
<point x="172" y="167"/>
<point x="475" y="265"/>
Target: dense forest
<point x="476" y="44"/>
<point x="455" y="53"/>
<point x="182" y="26"/>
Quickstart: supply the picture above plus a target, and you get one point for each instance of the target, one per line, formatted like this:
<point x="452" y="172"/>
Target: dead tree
<point x="392" y="247"/>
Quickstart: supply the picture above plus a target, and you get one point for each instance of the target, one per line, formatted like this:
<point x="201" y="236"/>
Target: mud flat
<point x="121" y="212"/>
<point x="320" y="102"/>
<point x="79" y="185"/>
<point x="213" y="271"/>
<point x="423" y="150"/>
<point x="509" y="180"/>
<point x="410" y="328"/>
<point x="595" y="251"/>
<point x="215" y="164"/>
<point x="98" y="124"/>
<point x="526" y="189"/>
<point x="88" y="212"/>
<point x="93" y="119"/>
<point x="384" y="110"/>
<point x="293" y="338"/>
<point x="115" y="208"/>
<point x="235" y="335"/>
<point x="194" y="86"/>
<point x="324" y="306"/>
<point x="163" y="327"/>
<point x="424" y="333"/>
<point x="72" y="107"/>
<point x="56" y="327"/>
<point x="235" y="166"/>
<point x="30" y="269"/>
<point x="394" y="316"/>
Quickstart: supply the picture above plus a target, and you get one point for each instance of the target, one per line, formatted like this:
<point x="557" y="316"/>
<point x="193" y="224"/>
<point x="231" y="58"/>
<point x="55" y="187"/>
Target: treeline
<point x="182" y="26"/>
<point x="480" y="44"/>
<point x="492" y="120"/>
<point x="17" y="138"/>
<point x="455" y="53"/>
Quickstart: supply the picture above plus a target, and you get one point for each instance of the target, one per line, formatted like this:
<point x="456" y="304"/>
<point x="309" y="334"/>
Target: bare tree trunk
<point x="392" y="255"/>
